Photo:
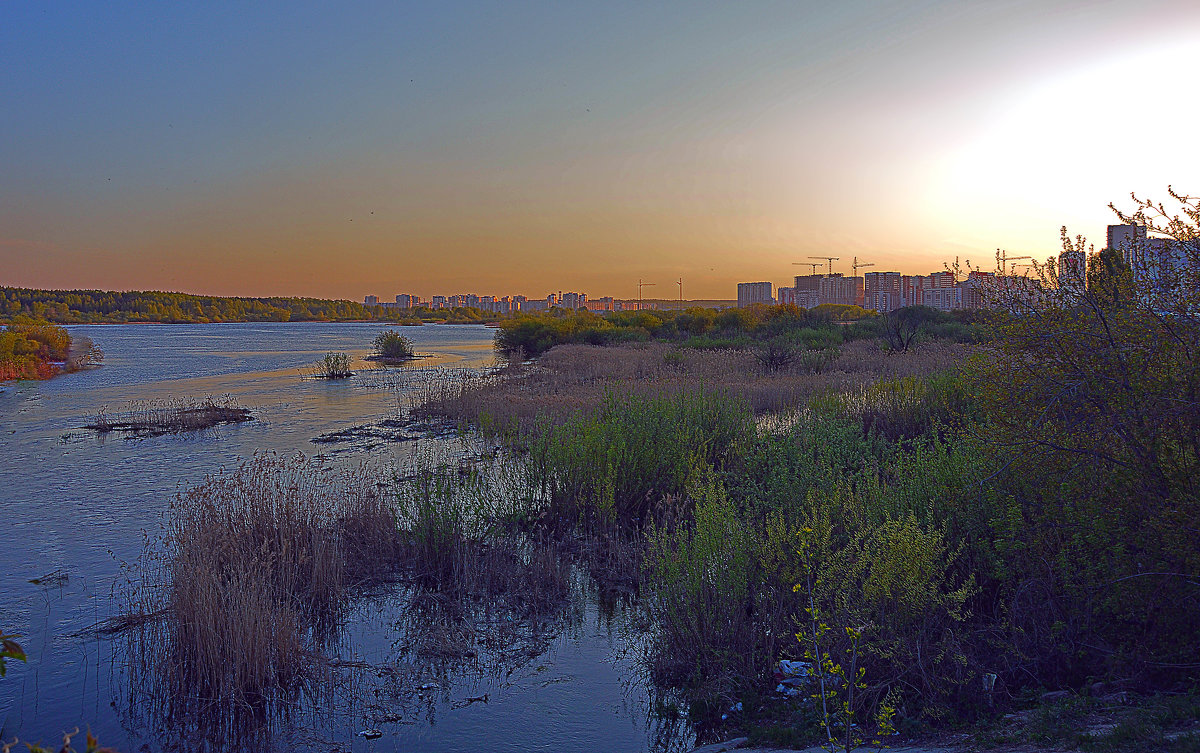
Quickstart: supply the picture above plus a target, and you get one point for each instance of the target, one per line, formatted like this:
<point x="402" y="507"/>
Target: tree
<point x="902" y="326"/>
<point x="1092" y="398"/>
<point x="1109" y="279"/>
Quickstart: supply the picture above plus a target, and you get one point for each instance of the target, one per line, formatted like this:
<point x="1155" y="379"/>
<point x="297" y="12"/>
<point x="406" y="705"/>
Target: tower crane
<point x="640" y="286"/>
<point x="856" y="265"/>
<point x="1005" y="259"/>
<point x="806" y="264"/>
<point x="830" y="259"/>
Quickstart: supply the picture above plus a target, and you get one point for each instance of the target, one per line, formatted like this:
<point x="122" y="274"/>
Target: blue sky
<point x="343" y="149"/>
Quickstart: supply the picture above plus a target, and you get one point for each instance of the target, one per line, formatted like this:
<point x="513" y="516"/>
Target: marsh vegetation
<point x="930" y="535"/>
<point x="169" y="416"/>
<point x="31" y="349"/>
<point x="392" y="347"/>
<point x="332" y="366"/>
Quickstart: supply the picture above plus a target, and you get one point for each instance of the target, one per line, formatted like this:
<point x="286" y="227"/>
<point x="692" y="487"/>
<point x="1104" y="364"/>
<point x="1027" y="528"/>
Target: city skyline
<point x="294" y="150"/>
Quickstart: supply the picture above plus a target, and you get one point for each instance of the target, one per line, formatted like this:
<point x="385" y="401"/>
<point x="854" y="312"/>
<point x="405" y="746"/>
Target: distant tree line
<point x="778" y="327"/>
<point x="99" y="306"/>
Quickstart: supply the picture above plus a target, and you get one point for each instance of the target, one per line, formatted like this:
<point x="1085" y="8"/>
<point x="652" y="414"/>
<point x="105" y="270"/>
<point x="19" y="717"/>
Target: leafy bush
<point x="702" y="579"/>
<point x="391" y="344"/>
<point x="33" y="350"/>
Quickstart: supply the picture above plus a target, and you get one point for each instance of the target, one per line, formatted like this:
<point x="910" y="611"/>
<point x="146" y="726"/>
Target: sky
<point x="338" y="150"/>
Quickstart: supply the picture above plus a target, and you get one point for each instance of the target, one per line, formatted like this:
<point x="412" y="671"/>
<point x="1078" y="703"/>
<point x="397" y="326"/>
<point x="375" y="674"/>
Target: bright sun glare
<point x="1092" y="135"/>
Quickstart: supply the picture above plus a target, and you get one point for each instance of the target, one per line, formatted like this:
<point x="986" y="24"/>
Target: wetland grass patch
<point x="256" y="569"/>
<point x="170" y="416"/>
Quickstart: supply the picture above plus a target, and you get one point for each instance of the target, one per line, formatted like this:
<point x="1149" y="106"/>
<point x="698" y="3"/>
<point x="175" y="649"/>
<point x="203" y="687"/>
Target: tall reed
<point x="257" y="567"/>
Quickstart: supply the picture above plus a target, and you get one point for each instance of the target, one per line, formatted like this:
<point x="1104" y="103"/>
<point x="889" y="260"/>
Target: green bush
<point x="617" y="463"/>
<point x="392" y="345"/>
<point x="702" y="580"/>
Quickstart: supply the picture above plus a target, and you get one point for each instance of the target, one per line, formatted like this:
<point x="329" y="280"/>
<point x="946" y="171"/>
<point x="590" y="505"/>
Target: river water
<point x="78" y="510"/>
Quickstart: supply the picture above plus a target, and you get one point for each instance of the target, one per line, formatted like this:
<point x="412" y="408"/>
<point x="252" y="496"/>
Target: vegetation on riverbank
<point x="930" y="535"/>
<point x="786" y="329"/>
<point x="37" y="350"/>
<point x="933" y="546"/>
<point x="110" y="307"/>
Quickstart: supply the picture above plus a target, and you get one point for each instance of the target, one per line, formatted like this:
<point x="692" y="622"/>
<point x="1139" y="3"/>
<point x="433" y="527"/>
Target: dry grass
<point x="229" y="622"/>
<point x="571" y="378"/>
<point x="257" y="568"/>
<point x="156" y="417"/>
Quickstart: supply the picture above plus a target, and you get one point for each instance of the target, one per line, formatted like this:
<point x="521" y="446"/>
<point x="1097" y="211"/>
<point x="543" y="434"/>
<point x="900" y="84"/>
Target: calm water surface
<point x="81" y="508"/>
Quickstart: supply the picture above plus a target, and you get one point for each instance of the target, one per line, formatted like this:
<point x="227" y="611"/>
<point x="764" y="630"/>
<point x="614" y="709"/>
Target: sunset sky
<point x="345" y="149"/>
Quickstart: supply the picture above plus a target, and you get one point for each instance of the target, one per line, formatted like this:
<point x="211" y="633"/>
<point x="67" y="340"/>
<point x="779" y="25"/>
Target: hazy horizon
<point x="519" y="148"/>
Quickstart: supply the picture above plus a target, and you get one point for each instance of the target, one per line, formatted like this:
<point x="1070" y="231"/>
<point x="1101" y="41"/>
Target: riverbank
<point x="37" y="350"/>
<point x="884" y="518"/>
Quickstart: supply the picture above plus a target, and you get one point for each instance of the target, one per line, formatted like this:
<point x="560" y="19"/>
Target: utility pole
<point x="640" y="286"/>
<point x="681" y="292"/>
<point x="830" y="259"/>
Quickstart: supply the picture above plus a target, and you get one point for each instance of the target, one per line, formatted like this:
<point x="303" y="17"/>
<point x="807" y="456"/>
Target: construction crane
<point x="806" y="264"/>
<point x="1005" y="259"/>
<point x="830" y="259"/>
<point x="856" y="265"/>
<point x="640" y="286"/>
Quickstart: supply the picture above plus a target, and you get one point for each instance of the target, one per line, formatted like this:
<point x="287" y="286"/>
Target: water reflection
<point x="556" y="678"/>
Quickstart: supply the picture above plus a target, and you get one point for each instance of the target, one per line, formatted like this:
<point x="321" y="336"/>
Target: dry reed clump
<point x="156" y="417"/>
<point x="257" y="568"/>
<point x="573" y="378"/>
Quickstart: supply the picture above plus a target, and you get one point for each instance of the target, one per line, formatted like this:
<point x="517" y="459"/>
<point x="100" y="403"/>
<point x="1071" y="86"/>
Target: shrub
<point x="702" y="578"/>
<point x="390" y="344"/>
<point x="333" y="366"/>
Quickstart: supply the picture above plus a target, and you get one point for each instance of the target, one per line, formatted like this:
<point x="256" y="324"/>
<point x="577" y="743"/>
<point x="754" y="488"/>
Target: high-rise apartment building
<point x="837" y="289"/>
<point x="882" y="291"/>
<point x="750" y="293"/>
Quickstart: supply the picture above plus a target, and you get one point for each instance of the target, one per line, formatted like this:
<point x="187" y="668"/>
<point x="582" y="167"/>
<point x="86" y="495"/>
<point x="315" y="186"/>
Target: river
<point x="79" y="510"/>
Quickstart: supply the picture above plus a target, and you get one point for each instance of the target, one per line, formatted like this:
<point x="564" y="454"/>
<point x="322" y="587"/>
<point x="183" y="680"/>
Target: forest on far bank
<point x="109" y="307"/>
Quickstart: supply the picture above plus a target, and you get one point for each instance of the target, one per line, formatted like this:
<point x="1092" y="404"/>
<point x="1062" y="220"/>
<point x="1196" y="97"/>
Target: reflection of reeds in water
<point x="170" y="415"/>
<point x="229" y="627"/>
<point x="256" y="570"/>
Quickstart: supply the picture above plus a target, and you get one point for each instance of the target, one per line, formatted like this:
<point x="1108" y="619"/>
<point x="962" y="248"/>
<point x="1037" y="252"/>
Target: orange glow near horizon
<point x="711" y="145"/>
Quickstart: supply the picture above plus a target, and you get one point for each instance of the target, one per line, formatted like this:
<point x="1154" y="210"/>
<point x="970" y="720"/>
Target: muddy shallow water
<point x="79" y="509"/>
